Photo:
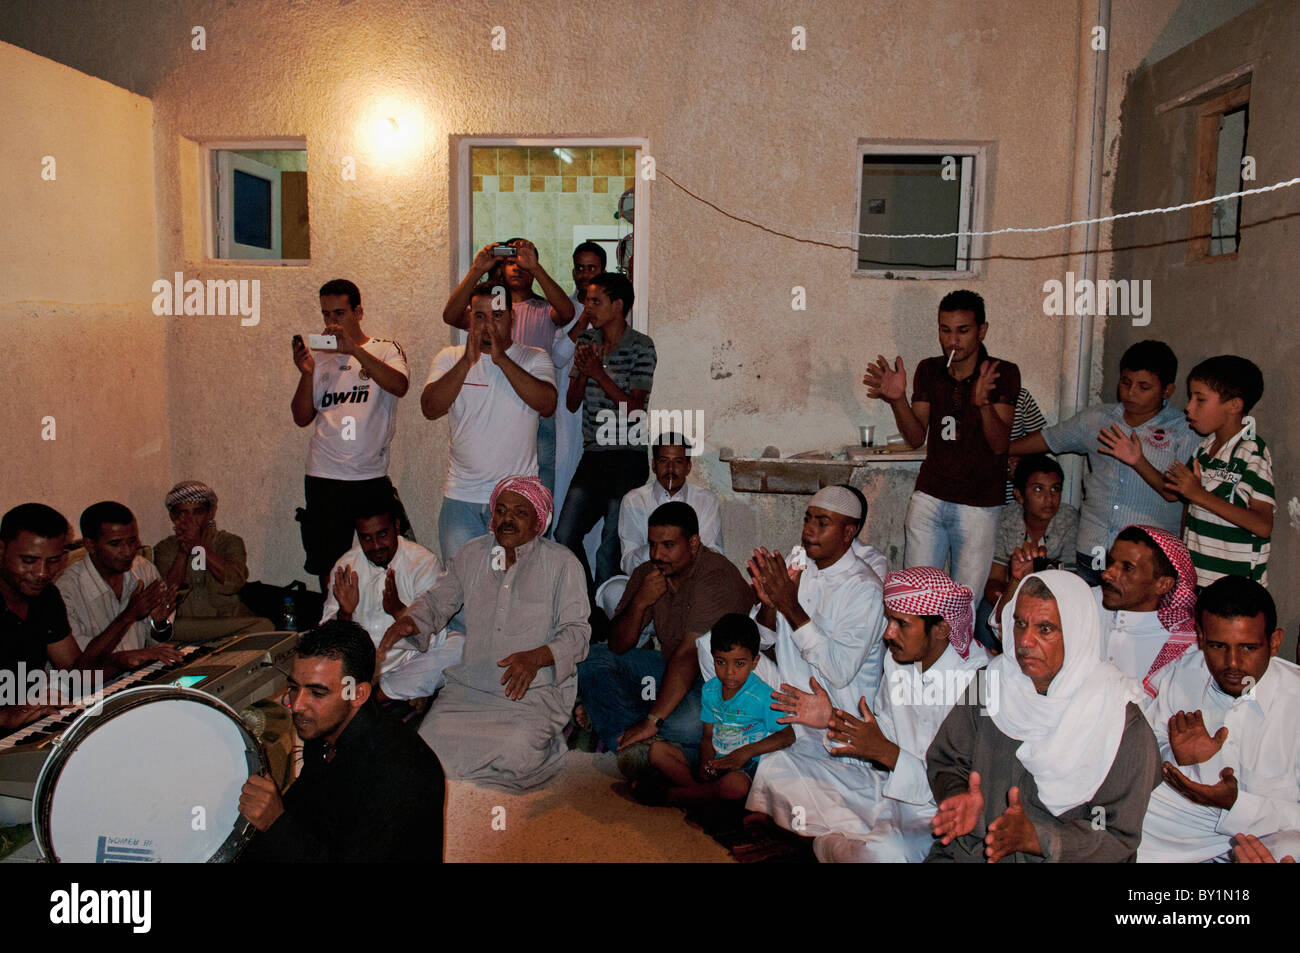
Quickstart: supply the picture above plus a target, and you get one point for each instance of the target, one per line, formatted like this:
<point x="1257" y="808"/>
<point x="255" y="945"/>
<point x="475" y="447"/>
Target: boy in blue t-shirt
<point x="738" y="726"/>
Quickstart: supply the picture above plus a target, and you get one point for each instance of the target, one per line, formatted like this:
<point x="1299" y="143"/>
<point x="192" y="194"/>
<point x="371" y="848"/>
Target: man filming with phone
<point x="349" y="390"/>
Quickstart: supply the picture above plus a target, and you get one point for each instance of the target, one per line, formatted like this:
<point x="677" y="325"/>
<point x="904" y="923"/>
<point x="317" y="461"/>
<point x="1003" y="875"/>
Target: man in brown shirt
<point x="684" y="589"/>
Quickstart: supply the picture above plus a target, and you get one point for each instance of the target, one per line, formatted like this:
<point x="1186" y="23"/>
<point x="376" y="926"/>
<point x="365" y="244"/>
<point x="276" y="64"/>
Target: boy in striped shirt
<point x="1228" y="483"/>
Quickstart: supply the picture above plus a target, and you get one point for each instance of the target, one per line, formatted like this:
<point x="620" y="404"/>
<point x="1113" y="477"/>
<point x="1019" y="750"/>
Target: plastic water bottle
<point x="289" y="621"/>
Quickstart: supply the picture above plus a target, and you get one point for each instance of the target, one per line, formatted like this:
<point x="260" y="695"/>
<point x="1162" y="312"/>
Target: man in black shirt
<point x="34" y="627"/>
<point x="369" y="789"/>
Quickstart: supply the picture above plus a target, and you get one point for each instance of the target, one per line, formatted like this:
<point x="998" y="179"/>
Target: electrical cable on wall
<point x="776" y="229"/>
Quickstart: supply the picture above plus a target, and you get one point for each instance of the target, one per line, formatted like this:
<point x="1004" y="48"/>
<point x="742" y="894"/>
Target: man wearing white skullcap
<point x="931" y="662"/>
<point x="1060" y="764"/>
<point x="824" y="614"/>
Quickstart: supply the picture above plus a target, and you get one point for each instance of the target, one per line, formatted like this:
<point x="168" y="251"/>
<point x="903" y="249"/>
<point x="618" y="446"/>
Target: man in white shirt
<point x="826" y="621"/>
<point x="494" y="390"/>
<point x="1145" y="600"/>
<point x="350" y="394"/>
<point x="119" y="609"/>
<point x="374" y="582"/>
<point x="1225" y="718"/>
<point x="671" y="463"/>
<point x="931" y="662"/>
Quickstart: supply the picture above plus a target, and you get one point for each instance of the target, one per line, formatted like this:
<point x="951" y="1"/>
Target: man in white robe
<point x="826" y="623"/>
<point x="500" y="718"/>
<point x="1225" y="717"/>
<point x="374" y="582"/>
<point x="931" y="663"/>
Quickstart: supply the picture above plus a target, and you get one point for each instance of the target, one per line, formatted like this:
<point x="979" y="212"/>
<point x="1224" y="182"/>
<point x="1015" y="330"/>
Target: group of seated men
<point x="1133" y="708"/>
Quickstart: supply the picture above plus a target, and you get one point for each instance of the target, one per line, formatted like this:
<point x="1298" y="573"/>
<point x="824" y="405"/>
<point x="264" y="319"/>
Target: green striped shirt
<point x="1241" y="472"/>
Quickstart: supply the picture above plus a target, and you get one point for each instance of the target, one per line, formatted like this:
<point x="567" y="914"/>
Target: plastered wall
<point x="730" y="111"/>
<point x="84" y="353"/>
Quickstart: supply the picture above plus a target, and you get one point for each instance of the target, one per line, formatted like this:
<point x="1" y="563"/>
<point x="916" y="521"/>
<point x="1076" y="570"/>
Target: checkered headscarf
<point x="924" y="590"/>
<point x="190" y="491"/>
<point x="1177" y="608"/>
<point x="531" y="489"/>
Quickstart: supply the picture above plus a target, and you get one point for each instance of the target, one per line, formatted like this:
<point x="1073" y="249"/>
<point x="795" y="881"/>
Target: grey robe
<point x="477" y="732"/>
<point x="968" y="741"/>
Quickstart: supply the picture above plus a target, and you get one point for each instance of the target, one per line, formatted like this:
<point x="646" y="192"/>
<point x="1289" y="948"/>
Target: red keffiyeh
<point x="531" y="489"/>
<point x="1177" y="607"/>
<point x="924" y="590"/>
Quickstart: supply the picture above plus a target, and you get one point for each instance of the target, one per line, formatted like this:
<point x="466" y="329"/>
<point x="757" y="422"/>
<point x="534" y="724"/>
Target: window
<point x="922" y="188"/>
<point x="557" y="194"/>
<point x="1221" y="125"/>
<point x="259" y="201"/>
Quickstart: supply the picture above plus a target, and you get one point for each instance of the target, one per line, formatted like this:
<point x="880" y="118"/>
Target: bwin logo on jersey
<point x="358" y="395"/>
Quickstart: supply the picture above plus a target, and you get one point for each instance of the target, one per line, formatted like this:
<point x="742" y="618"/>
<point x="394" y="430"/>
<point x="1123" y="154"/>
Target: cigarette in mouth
<point x="951" y="355"/>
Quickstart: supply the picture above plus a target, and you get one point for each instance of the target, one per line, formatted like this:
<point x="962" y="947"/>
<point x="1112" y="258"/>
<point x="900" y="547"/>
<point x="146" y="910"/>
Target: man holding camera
<point x="350" y="393"/>
<point x="493" y="389"/>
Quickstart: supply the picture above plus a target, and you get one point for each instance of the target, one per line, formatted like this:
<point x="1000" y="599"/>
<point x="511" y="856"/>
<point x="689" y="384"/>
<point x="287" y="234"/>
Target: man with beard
<point x="1145" y="600"/>
<point x="826" y="622"/>
<point x="369" y="789"/>
<point x="684" y="589"/>
<point x="930" y="664"/>
<point x="1062" y="767"/>
<point x="374" y="582"/>
<point x="500" y="718"/>
<point x="1225" y="719"/>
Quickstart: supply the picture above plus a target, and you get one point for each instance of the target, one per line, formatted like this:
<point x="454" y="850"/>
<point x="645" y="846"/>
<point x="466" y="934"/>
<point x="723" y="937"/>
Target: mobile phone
<point x="297" y="340"/>
<point x="323" y="342"/>
<point x="1042" y="563"/>
<point x="505" y="251"/>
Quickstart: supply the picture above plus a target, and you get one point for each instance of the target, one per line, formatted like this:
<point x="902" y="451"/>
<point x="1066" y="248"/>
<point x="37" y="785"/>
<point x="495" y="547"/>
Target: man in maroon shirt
<point x="962" y="407"/>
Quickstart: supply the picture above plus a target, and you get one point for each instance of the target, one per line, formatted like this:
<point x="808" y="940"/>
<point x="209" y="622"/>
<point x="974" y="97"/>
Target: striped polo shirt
<point x="1241" y="472"/>
<point x="632" y="366"/>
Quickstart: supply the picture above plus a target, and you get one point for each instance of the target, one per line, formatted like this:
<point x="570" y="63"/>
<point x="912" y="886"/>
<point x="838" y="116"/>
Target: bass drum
<point x="152" y="776"/>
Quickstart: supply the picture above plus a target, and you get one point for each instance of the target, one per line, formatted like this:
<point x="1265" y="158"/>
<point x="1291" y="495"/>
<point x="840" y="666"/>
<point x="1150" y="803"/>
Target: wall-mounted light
<point x="391" y="133"/>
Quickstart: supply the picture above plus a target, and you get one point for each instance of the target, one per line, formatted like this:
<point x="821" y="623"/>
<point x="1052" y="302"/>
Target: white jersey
<point x="355" y="417"/>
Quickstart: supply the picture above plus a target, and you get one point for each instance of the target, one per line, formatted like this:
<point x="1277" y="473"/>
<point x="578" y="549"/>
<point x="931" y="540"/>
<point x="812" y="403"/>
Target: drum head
<point x="151" y="779"/>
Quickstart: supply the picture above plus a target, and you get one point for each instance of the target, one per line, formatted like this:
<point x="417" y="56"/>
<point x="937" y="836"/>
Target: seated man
<point x="1033" y="778"/>
<point x="500" y="717"/>
<point x="374" y="582"/>
<point x="1225" y="718"/>
<point x="34" y="629"/>
<point x="671" y="462"/>
<point x="208" y="585"/>
<point x="369" y="789"/>
<point x="826" y="621"/>
<point x="1037" y="517"/>
<point x="1145" y="600"/>
<point x="931" y="662"/>
<point x="684" y="589"/>
<point x="118" y="606"/>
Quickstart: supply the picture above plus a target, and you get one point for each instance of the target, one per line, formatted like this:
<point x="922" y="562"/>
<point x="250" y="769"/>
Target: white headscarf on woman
<point x="1070" y="735"/>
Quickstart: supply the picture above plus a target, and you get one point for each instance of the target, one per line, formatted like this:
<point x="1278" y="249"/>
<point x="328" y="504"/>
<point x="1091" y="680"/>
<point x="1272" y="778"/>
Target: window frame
<point x="1209" y="115"/>
<point x="972" y="214"/>
<point x="208" y="149"/>
<point x="462" y="184"/>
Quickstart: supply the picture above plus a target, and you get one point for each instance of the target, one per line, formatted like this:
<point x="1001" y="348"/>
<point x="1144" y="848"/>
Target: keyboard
<point x="239" y="670"/>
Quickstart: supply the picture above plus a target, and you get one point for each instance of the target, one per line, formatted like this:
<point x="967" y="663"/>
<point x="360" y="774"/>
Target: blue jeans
<point x="597" y="489"/>
<point x="458" y="523"/>
<point x="546" y="452"/>
<point x="941" y="534"/>
<point x="611" y="687"/>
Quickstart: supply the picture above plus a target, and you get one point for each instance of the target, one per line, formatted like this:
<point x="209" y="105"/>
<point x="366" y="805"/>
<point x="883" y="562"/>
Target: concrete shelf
<point x="806" y="475"/>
